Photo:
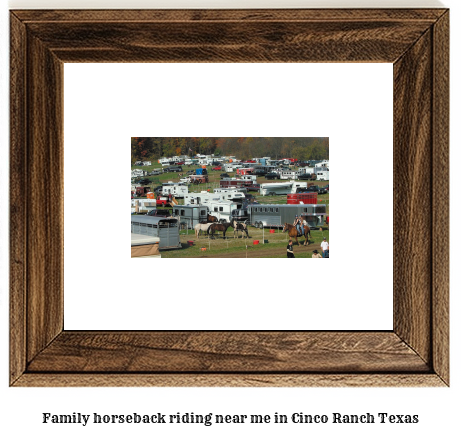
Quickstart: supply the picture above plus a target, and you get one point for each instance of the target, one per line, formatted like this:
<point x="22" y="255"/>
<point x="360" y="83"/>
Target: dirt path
<point x="273" y="252"/>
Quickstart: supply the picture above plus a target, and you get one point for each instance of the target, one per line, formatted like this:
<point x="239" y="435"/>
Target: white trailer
<point x="205" y="197"/>
<point x="175" y="189"/>
<point x="223" y="209"/>
<point x="288" y="175"/>
<point x="306" y="170"/>
<point x="323" y="175"/>
<point x="282" y="188"/>
<point x="249" y="177"/>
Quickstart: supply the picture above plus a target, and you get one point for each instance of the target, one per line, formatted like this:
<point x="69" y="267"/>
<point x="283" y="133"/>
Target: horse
<point x="199" y="227"/>
<point x="211" y="219"/>
<point x="239" y="227"/>
<point x="293" y="232"/>
<point x="218" y="227"/>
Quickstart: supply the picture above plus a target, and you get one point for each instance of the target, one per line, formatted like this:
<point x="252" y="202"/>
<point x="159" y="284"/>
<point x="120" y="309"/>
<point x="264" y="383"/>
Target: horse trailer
<point x="282" y="188"/>
<point x="276" y="215"/>
<point x="323" y="175"/>
<point x="167" y="229"/>
<point x="223" y="209"/>
<point x="190" y="215"/>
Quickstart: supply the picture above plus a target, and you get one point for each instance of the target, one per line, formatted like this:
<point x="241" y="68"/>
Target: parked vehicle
<point x="173" y="169"/>
<point x="307" y="176"/>
<point x="166" y="229"/>
<point x="272" y="176"/>
<point x="281" y="188"/>
<point x="276" y="215"/>
<point x="175" y="189"/>
<point x="224" y="176"/>
<point x="313" y="188"/>
<point x="223" y="209"/>
<point x="196" y="179"/>
<point x="219" y="168"/>
<point x="141" y="191"/>
<point x="254" y="187"/>
<point x="322" y="190"/>
<point x="159" y="212"/>
<point x="185" y="180"/>
<point x="190" y="215"/>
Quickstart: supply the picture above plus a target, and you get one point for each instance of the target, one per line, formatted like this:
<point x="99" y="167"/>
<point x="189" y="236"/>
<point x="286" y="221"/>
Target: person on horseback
<point x="298" y="224"/>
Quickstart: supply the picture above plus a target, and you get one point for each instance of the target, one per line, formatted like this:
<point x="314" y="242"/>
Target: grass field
<point x="241" y="247"/>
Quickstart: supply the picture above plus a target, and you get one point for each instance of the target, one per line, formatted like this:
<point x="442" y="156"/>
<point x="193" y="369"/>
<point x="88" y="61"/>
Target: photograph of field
<point x="230" y="197"/>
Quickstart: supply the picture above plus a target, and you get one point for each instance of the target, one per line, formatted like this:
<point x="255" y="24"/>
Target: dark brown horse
<point x="293" y="232"/>
<point x="211" y="219"/>
<point x="218" y="227"/>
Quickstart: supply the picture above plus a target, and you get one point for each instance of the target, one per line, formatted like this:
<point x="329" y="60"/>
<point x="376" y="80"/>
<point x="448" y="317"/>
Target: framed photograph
<point x="414" y="353"/>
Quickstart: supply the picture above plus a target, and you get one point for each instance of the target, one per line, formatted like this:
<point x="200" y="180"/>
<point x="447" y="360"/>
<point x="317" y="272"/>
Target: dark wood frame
<point x="414" y="353"/>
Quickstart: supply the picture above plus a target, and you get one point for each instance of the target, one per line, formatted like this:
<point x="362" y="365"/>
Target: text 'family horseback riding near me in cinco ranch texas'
<point x="230" y="197"/>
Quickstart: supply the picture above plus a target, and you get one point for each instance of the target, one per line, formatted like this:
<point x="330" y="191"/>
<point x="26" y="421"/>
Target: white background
<point x="21" y="409"/>
<point x="106" y="104"/>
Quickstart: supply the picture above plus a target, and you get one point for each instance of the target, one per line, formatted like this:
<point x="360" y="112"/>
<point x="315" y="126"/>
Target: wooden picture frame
<point x="414" y="353"/>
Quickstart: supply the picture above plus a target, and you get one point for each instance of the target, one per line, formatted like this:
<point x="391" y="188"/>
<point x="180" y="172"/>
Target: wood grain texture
<point x="18" y="228"/>
<point x="414" y="354"/>
<point x="230" y="380"/>
<point x="44" y="191"/>
<point x="236" y="352"/>
<point x="413" y="196"/>
<point x="441" y="195"/>
<point x="326" y="41"/>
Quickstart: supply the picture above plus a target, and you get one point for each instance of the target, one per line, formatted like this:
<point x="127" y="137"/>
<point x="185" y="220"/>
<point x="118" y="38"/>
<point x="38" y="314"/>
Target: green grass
<point x="219" y="246"/>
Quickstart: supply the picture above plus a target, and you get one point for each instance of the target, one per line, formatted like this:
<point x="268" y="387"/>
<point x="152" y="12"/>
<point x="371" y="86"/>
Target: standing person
<point x="325" y="246"/>
<point x="290" y="249"/>
<point x="316" y="255"/>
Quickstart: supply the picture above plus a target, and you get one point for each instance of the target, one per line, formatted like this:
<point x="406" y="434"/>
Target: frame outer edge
<point x="440" y="195"/>
<point x="230" y="380"/>
<point x="18" y="207"/>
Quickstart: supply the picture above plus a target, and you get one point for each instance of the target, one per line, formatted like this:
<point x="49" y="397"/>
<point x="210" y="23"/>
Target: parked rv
<point x="175" y="189"/>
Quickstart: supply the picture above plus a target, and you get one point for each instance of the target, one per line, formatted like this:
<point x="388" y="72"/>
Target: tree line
<point x="148" y="148"/>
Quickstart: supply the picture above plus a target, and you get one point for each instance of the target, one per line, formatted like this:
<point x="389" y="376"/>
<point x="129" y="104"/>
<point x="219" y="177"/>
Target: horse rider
<point x="298" y="223"/>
